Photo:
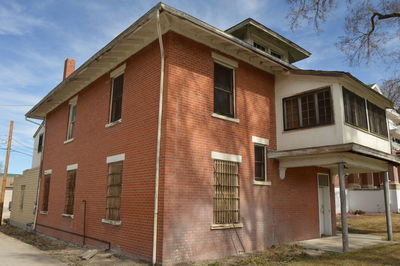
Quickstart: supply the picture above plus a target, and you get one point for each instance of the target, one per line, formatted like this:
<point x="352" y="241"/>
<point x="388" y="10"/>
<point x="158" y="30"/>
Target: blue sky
<point x="36" y="37"/>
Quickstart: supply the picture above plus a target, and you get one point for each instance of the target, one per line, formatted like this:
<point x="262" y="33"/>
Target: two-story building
<point x="178" y="141"/>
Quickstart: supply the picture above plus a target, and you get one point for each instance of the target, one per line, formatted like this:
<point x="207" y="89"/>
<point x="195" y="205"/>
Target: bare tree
<point x="371" y="32"/>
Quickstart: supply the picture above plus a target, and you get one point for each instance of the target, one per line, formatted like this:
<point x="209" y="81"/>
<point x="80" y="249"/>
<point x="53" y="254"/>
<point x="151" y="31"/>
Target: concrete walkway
<point x="16" y="253"/>
<point x="334" y="243"/>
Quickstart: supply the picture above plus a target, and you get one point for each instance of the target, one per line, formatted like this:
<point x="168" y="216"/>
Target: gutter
<point x="159" y="133"/>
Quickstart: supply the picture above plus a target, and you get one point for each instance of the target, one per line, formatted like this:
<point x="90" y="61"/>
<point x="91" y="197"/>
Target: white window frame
<point x="115" y="158"/>
<point x="261" y="142"/>
<point x="72" y="104"/>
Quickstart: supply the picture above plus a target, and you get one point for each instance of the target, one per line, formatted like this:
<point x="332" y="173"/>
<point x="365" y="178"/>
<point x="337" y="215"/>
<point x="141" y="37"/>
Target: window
<point x="308" y="110"/>
<point x="116" y="98"/>
<point x="354" y="109"/>
<point x="45" y="204"/>
<point x="377" y="120"/>
<point x="259" y="163"/>
<point x="277" y="55"/>
<point x="21" y="203"/>
<point x="223" y="90"/>
<point x="71" y="121"/>
<point x="226" y="192"/>
<point x="40" y="143"/>
<point x="70" y="193"/>
<point x="259" y="46"/>
<point x="114" y="191"/>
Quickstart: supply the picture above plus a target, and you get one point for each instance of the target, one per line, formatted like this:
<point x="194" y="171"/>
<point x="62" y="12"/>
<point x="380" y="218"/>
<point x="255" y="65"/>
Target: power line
<point x="12" y="150"/>
<point x="16" y="140"/>
<point x="11" y="105"/>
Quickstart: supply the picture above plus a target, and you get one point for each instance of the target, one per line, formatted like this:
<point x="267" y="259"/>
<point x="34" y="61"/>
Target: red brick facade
<point x="285" y="211"/>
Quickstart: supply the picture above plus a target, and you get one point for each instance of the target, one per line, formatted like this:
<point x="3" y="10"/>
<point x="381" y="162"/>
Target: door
<point x="324" y="203"/>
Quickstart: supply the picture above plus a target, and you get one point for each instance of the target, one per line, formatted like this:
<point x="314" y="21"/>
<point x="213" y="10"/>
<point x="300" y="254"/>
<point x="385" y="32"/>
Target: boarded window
<point x="259" y="161"/>
<point x="226" y="192"/>
<point x="116" y="98"/>
<point x="21" y="202"/>
<point x="46" y="192"/>
<point x="114" y="191"/>
<point x="71" y="121"/>
<point x="40" y="143"/>
<point x="377" y="119"/>
<point x="70" y="193"/>
<point x="354" y="109"/>
<point x="308" y="109"/>
<point x="223" y="90"/>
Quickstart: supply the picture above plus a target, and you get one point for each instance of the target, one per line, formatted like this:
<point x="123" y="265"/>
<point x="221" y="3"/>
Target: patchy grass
<point x="374" y="224"/>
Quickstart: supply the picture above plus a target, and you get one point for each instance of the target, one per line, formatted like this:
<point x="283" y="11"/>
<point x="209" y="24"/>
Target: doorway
<point x="324" y="204"/>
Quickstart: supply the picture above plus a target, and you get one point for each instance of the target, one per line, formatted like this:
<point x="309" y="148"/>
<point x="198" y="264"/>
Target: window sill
<point x="227" y="118"/>
<point x="225" y="226"/>
<point x="112" y="222"/>
<point x="262" y="183"/>
<point x="113" y="123"/>
<point x="44" y="212"/>
<point x="68" y="141"/>
<point x="71" y="216"/>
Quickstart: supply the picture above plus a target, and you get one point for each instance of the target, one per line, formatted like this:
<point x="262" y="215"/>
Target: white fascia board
<point x="115" y="158"/>
<point x="226" y="157"/>
<point x="72" y="167"/>
<point x="258" y="140"/>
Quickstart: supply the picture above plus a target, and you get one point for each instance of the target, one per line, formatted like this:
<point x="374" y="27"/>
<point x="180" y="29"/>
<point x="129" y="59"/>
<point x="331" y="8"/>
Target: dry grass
<point x="372" y="224"/>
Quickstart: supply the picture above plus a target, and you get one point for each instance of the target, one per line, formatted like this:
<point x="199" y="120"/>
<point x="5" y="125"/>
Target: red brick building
<point x="199" y="184"/>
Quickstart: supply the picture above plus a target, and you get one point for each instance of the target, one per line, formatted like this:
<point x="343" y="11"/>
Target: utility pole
<point x="5" y="173"/>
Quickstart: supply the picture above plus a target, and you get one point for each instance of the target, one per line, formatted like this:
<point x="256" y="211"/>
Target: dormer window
<point x="259" y="46"/>
<point x="275" y="54"/>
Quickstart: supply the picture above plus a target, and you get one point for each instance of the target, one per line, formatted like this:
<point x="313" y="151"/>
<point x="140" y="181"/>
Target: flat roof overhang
<point x="357" y="158"/>
<point x="142" y="33"/>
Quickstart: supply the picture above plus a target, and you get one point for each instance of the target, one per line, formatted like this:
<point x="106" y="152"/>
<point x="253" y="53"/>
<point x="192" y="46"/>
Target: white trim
<point x="112" y="222"/>
<point x="115" y="158"/>
<point x="224" y="60"/>
<point x="226" y="226"/>
<point x="48" y="172"/>
<point x="68" y="140"/>
<point x="223" y="117"/>
<point x="73" y="101"/>
<point x="72" y="167"/>
<point x="118" y="71"/>
<point x="116" y="122"/>
<point x="44" y="212"/>
<point x="67" y="215"/>
<point x="262" y="183"/>
<point x="226" y="157"/>
<point x="259" y="140"/>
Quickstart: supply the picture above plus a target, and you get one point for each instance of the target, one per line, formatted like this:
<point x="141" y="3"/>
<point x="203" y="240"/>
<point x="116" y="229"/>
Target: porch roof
<point x="356" y="157"/>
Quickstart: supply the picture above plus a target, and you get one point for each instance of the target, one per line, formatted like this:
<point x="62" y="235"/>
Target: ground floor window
<point x="114" y="191"/>
<point x="226" y="192"/>
<point x="46" y="192"/>
<point x="70" y="193"/>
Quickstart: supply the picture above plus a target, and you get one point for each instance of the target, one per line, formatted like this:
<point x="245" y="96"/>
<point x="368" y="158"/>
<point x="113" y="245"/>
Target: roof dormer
<point x="268" y="41"/>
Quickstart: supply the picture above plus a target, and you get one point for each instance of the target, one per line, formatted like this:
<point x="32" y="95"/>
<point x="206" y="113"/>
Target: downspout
<point x="159" y="125"/>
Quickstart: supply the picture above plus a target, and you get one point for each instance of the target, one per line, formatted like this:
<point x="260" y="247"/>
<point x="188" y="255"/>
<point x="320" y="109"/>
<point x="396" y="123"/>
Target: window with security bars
<point x="45" y="205"/>
<point x="226" y="192"/>
<point x="114" y="191"/>
<point x="70" y="193"/>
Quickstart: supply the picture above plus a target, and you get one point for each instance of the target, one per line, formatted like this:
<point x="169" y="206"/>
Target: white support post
<point x="343" y="215"/>
<point x="386" y="194"/>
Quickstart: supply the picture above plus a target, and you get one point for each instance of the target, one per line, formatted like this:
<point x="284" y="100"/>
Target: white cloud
<point x="15" y="20"/>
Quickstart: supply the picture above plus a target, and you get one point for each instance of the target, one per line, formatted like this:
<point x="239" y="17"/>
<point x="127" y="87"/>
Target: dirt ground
<point x="65" y="252"/>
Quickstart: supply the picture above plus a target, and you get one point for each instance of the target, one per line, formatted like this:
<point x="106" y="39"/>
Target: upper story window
<point x="259" y="162"/>
<point x="40" y="143"/>
<point x="354" y="109"/>
<point x="377" y="120"/>
<point x="71" y="118"/>
<point x="308" y="109"/>
<point x="259" y="46"/>
<point x="276" y="54"/>
<point x="116" y="98"/>
<point x="223" y="90"/>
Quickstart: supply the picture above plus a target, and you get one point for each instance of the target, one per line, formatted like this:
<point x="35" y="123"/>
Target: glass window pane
<point x="223" y="102"/>
<point x="223" y="77"/>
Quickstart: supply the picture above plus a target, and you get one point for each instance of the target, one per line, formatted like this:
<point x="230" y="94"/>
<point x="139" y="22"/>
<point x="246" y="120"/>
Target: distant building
<point x="25" y="188"/>
<point x="8" y="194"/>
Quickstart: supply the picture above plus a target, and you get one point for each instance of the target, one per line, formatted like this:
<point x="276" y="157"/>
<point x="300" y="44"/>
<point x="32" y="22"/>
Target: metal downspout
<point x="160" y="112"/>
